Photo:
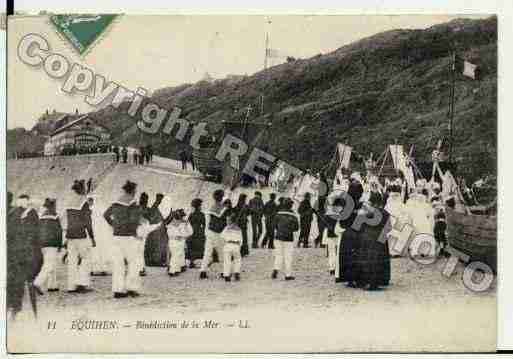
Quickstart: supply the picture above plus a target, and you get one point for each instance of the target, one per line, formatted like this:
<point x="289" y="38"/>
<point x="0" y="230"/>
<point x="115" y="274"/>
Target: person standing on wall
<point x="305" y="211"/>
<point x="256" y="208"/>
<point x="270" y="209"/>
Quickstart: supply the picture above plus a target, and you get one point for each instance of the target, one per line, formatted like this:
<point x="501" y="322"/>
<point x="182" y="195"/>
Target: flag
<point x="401" y="164"/>
<point x="272" y="53"/>
<point x="469" y="69"/>
<point x="308" y="184"/>
<point x="344" y="155"/>
<point x="449" y="185"/>
<point x="397" y="156"/>
<point x="339" y="182"/>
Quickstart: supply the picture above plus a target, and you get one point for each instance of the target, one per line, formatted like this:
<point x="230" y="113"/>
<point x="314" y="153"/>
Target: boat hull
<point x="206" y="163"/>
<point x="474" y="235"/>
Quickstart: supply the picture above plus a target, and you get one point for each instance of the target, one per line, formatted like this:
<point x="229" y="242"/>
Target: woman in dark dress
<point x="350" y="238"/>
<point x="196" y="243"/>
<point x="242" y="214"/>
<point x="373" y="256"/>
<point x="156" y="248"/>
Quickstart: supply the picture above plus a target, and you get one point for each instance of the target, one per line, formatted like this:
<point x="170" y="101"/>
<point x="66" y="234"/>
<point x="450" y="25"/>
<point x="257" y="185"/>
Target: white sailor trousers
<point x="231" y="250"/>
<point x="141" y="245"/>
<point x="283" y="254"/>
<point x="123" y="279"/>
<point x="79" y="274"/>
<point x="214" y="240"/>
<point x="48" y="273"/>
<point x="333" y="243"/>
<point x="177" y="250"/>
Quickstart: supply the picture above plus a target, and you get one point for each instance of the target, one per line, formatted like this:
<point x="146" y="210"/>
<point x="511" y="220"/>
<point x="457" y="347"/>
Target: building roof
<point x="72" y="123"/>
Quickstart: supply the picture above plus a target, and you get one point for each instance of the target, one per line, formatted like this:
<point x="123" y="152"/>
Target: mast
<point x="451" y="109"/>
<point x="245" y="123"/>
<point x="266" y="47"/>
<point x="265" y="65"/>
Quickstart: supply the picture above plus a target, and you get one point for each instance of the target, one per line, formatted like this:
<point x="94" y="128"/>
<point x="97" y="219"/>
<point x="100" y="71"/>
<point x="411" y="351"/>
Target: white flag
<point x="449" y="185"/>
<point x="400" y="163"/>
<point x="308" y="184"/>
<point x="469" y="69"/>
<point x="344" y="155"/>
<point x="397" y="156"/>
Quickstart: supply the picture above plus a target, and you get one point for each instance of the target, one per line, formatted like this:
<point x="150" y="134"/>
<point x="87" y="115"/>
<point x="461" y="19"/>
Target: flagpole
<point x="265" y="65"/>
<point x="266" y="49"/>
<point x="451" y="113"/>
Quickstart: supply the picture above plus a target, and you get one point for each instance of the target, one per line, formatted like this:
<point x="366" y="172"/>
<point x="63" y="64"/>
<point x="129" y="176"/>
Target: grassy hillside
<point x="391" y="86"/>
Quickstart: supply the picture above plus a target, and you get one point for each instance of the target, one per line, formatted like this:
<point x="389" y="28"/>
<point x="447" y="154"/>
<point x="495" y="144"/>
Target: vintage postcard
<point x="251" y="183"/>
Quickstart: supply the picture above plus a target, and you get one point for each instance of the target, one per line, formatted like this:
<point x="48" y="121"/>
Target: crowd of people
<point x="185" y="158"/>
<point x="142" y="235"/>
<point x="139" y="156"/>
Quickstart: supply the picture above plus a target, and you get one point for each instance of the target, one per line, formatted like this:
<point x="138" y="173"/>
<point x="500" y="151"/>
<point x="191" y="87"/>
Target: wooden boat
<point x="252" y="133"/>
<point x="474" y="235"/>
<point x="206" y="163"/>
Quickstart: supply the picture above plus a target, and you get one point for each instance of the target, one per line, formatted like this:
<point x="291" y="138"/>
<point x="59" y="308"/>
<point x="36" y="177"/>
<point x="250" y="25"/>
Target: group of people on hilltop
<point x="186" y="157"/>
<point x="140" y="156"/>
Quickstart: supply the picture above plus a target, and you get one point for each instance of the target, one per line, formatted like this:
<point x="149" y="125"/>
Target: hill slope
<point x="391" y="86"/>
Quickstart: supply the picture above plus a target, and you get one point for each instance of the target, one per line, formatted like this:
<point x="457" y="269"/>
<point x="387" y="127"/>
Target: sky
<point x="158" y="51"/>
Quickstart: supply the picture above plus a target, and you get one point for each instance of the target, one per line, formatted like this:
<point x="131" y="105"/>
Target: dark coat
<point x="373" y="259"/>
<point x="270" y="208"/>
<point x="349" y="246"/>
<point x="286" y="224"/>
<point x="156" y="246"/>
<point x="196" y="242"/>
<point x="50" y="231"/>
<point x="19" y="258"/>
<point x="256" y="206"/>
<point x="242" y="216"/>
<point x="124" y="218"/>
<point x="305" y="210"/>
<point x="79" y="222"/>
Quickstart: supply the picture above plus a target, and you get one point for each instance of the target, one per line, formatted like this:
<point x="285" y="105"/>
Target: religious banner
<point x="344" y="155"/>
<point x="310" y="184"/>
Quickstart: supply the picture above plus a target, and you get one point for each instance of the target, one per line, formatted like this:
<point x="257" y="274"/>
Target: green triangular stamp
<point x="81" y="30"/>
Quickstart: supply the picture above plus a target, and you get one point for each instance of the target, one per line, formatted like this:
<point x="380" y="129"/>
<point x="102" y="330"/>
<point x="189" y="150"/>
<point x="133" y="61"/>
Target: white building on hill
<point x="82" y="135"/>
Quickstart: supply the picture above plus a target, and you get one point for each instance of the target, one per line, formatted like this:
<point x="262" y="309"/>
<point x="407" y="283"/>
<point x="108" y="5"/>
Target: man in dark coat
<point x="242" y="215"/>
<point x="24" y="258"/>
<point x="116" y="152"/>
<point x="321" y="211"/>
<point x="124" y="154"/>
<point x="270" y="209"/>
<point x="150" y="153"/>
<point x="142" y="155"/>
<point x="256" y="207"/>
<point x="191" y="160"/>
<point x="305" y="212"/>
<point x="183" y="158"/>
